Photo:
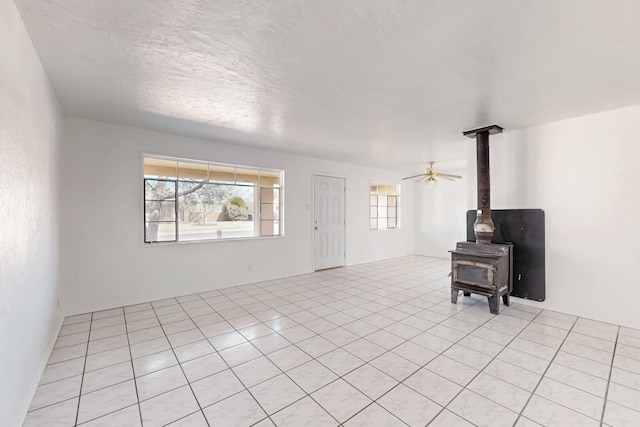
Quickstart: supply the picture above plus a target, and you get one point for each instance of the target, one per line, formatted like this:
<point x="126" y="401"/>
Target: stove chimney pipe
<point x="483" y="227"/>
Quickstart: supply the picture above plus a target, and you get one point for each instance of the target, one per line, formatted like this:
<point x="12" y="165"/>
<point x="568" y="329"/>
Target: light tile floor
<point x="370" y="345"/>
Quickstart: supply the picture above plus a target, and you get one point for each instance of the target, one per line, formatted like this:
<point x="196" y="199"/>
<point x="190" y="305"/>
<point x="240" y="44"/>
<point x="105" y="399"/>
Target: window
<point x="384" y="206"/>
<point x="186" y="200"/>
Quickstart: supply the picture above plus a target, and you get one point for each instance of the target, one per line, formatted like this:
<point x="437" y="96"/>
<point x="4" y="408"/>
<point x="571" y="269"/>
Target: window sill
<point x="232" y="239"/>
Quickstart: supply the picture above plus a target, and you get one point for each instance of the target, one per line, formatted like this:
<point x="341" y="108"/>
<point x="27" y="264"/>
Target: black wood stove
<point x="483" y="267"/>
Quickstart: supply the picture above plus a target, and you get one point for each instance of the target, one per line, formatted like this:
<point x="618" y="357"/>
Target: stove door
<point x="474" y="273"/>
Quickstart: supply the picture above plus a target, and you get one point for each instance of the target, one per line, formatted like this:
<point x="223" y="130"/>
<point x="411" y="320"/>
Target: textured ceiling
<point x="379" y="82"/>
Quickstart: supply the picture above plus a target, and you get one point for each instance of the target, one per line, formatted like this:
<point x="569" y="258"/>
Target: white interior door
<point x="328" y="222"/>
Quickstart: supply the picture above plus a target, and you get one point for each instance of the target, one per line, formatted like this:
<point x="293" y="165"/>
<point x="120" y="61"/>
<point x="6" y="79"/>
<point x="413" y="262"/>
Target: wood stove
<point x="483" y="267"/>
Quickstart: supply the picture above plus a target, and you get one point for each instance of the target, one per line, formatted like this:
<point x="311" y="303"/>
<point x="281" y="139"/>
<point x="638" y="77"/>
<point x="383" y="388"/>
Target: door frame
<point x="313" y="214"/>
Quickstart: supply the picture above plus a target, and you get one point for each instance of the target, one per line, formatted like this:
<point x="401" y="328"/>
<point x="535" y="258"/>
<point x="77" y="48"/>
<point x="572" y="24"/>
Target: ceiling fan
<point x="430" y="174"/>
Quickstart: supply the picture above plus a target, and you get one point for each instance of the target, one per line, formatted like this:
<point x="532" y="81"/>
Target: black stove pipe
<point x="483" y="227"/>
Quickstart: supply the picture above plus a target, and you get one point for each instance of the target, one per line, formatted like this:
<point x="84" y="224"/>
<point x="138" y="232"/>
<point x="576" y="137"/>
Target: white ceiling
<point x="380" y="82"/>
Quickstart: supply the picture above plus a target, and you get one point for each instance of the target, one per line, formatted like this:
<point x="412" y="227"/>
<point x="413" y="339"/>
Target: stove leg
<point x="506" y="300"/>
<point x="466" y="294"/>
<point x="454" y="296"/>
<point x="494" y="304"/>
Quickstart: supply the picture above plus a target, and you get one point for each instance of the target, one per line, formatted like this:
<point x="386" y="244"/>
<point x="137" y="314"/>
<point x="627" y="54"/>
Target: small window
<point x="384" y="206"/>
<point x="187" y="200"/>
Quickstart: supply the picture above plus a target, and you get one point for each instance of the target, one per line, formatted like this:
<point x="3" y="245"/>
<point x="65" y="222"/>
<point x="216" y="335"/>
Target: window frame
<point x="257" y="187"/>
<point x="175" y="209"/>
<point x="378" y="218"/>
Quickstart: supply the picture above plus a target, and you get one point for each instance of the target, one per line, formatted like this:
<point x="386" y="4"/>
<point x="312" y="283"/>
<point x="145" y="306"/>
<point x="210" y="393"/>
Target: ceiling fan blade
<point x="448" y="175"/>
<point x="414" y="176"/>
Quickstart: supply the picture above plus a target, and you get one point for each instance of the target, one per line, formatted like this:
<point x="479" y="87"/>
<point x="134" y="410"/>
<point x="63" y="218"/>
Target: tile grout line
<point x="375" y="401"/>
<point x="423" y="365"/>
<point x="532" y="393"/>
<point x="84" y="368"/>
<point x="231" y="369"/>
<point x="291" y="379"/>
<point x="606" y="393"/>
<point x="443" y="407"/>
<point x="133" y="371"/>
<point x="165" y="333"/>
<point x="482" y="370"/>
<point x="214" y="351"/>
<point x="313" y="358"/>
<point x="542" y="377"/>
<point x="117" y="383"/>
<point x="302" y="309"/>
<point x="531" y="321"/>
<point x="366" y="294"/>
<point x="342" y="347"/>
<point x="181" y="369"/>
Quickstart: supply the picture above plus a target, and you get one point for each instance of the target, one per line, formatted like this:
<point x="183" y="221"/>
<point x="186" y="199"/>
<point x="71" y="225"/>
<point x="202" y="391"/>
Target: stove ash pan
<point x="482" y="268"/>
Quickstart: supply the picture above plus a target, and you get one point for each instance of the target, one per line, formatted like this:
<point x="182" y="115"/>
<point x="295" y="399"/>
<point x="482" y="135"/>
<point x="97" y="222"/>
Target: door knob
<point x="316" y="227"/>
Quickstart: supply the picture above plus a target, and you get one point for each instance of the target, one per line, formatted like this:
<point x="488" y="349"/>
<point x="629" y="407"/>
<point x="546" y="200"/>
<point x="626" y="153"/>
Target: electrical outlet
<point x="249" y="267"/>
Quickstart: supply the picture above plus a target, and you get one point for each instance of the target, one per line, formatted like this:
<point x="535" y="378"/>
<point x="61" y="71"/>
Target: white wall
<point x="104" y="263"/>
<point x="30" y="121"/>
<point x="584" y="174"/>
<point x="440" y="215"/>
